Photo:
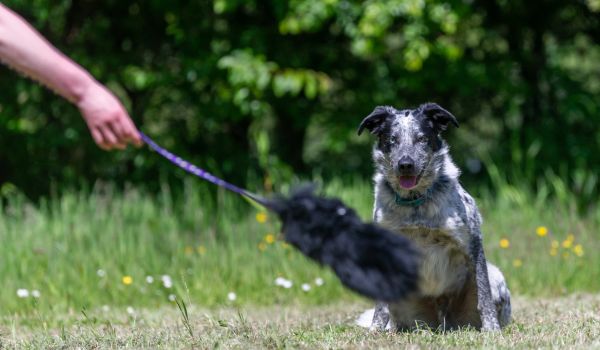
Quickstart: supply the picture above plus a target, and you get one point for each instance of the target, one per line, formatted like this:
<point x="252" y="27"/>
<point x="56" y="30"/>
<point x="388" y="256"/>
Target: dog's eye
<point x="422" y="139"/>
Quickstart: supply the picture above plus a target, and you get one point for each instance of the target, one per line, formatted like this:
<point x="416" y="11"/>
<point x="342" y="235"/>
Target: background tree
<point x="262" y="90"/>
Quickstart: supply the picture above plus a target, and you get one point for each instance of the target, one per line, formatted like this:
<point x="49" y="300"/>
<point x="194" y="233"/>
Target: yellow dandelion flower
<point x="578" y="250"/>
<point x="188" y="250"/>
<point x="554" y="251"/>
<point x="541" y="231"/>
<point x="127" y="280"/>
<point x="567" y="243"/>
<point x="517" y="263"/>
<point x="270" y="238"/>
<point x="555" y="244"/>
<point x="201" y="250"/>
<point x="262" y="246"/>
<point x="261" y="217"/>
<point x="504" y="243"/>
<point x="570" y="237"/>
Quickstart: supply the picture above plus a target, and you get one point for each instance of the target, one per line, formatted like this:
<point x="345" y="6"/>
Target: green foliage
<point x="217" y="81"/>
<point x="253" y="77"/>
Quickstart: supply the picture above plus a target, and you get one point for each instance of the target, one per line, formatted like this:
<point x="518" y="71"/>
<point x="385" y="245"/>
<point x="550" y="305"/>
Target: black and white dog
<point x="418" y="195"/>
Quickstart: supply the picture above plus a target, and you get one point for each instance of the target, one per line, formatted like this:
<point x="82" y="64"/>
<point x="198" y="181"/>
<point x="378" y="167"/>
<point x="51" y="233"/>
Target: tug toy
<point x="366" y="258"/>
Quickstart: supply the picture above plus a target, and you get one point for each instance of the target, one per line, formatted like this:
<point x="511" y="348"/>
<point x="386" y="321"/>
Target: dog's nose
<point x="406" y="164"/>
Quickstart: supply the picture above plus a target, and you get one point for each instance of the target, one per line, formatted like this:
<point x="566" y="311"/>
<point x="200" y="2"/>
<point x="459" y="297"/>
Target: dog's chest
<point x="444" y="266"/>
<point x="444" y="254"/>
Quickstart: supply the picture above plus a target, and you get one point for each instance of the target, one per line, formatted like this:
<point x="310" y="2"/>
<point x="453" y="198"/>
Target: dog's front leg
<point x="381" y="317"/>
<point x="485" y="305"/>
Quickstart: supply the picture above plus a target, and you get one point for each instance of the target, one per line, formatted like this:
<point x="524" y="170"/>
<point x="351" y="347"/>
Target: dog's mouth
<point x="408" y="182"/>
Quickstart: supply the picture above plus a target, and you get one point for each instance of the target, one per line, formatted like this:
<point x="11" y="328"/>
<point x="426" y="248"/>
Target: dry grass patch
<point x="567" y="322"/>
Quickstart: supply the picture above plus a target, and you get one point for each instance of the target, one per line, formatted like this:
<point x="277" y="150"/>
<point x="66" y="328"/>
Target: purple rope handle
<point x="201" y="173"/>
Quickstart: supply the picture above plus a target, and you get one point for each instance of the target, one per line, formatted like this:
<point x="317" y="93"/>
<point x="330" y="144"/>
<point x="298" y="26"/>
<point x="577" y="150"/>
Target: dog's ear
<point x="438" y="116"/>
<point x="375" y="122"/>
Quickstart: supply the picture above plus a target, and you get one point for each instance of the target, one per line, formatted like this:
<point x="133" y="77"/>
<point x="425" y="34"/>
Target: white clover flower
<point x="149" y="279"/>
<point x="35" y="293"/>
<point x="306" y="287"/>
<point x="282" y="282"/>
<point x="105" y="308"/>
<point x="172" y="297"/>
<point x="101" y="273"/>
<point x="231" y="296"/>
<point x="130" y="310"/>
<point x="319" y="281"/>
<point x="166" y="280"/>
<point x="22" y="293"/>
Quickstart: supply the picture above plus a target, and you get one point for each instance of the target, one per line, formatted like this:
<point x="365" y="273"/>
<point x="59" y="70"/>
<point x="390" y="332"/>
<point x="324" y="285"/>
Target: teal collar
<point x="412" y="202"/>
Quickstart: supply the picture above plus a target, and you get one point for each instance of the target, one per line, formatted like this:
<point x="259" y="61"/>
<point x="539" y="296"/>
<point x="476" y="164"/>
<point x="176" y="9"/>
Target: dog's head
<point x="410" y="150"/>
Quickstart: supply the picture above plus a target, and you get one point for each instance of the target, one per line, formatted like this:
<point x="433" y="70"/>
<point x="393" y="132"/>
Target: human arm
<point x="25" y="50"/>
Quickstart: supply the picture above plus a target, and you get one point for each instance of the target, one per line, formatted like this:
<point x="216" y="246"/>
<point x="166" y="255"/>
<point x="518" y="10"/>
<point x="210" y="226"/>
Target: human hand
<point x="107" y="119"/>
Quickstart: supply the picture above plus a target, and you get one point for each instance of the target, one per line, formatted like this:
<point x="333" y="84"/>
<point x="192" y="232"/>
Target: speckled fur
<point x="455" y="288"/>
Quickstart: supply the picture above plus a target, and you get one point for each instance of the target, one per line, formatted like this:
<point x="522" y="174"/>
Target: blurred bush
<point x="257" y="91"/>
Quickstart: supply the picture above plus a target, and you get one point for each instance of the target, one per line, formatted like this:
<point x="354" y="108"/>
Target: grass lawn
<point x="71" y="266"/>
<point x="565" y="322"/>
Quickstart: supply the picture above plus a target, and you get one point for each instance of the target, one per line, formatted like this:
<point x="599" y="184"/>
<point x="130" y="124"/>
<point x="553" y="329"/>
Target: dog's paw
<point x="380" y="328"/>
<point x="365" y="319"/>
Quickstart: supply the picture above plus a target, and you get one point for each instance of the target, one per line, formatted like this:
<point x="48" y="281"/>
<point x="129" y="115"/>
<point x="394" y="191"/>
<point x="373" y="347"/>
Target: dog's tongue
<point x="408" y="181"/>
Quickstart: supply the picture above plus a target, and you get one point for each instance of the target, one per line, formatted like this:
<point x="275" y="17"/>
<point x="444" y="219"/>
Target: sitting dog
<point x="418" y="195"/>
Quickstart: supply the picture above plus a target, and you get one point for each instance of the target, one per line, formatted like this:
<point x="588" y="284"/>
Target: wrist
<point x="78" y="83"/>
